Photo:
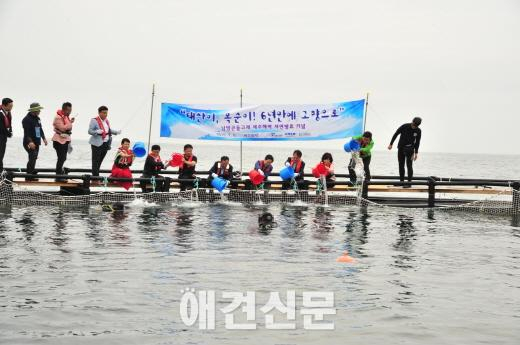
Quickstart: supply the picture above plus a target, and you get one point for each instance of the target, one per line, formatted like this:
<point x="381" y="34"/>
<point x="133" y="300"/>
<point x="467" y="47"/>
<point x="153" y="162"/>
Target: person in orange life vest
<point x="100" y="138"/>
<point x="298" y="165"/>
<point x="6" y="130"/>
<point x="32" y="137"/>
<point x="330" y="178"/>
<point x="61" y="139"/>
<point x="152" y="167"/>
<point x="264" y="167"/>
<point x="221" y="169"/>
<point x="187" y="170"/>
<point x="122" y="163"/>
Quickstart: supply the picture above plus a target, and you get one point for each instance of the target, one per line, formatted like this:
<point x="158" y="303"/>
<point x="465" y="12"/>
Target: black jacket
<point x="5" y="131"/>
<point x="152" y="167"/>
<point x="226" y="174"/>
<point x="32" y="130"/>
<point x="410" y="137"/>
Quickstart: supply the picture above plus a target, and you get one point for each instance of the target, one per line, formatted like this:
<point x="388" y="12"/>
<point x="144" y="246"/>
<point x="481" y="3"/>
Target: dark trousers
<point x="3" y="144"/>
<point x="366" y="168"/>
<point x="186" y="185"/>
<point x="98" y="154"/>
<point x="61" y="152"/>
<point x="302" y="184"/>
<point x="33" y="156"/>
<point x="405" y="155"/>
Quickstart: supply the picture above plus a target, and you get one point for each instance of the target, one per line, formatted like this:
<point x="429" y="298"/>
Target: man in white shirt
<point x="100" y="138"/>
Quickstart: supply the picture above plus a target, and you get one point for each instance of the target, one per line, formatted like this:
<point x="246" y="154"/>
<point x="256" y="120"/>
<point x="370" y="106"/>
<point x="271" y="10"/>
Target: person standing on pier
<point x="61" y="139"/>
<point x="100" y="138"/>
<point x="32" y="137"/>
<point x="187" y="170"/>
<point x="6" y="130"/>
<point x="408" y="147"/>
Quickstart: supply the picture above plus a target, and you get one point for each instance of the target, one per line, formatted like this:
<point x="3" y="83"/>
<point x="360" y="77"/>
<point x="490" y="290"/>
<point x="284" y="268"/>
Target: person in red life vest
<point x="298" y="165"/>
<point x="264" y="167"/>
<point x="100" y="138"/>
<point x="122" y="163"/>
<point x="6" y="130"/>
<point x="330" y="178"/>
<point x="152" y="167"/>
<point x="61" y="139"/>
<point x="187" y="170"/>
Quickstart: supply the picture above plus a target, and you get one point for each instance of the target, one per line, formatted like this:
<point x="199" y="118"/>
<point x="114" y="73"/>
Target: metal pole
<point x="241" y="157"/>
<point x="151" y="118"/>
<point x="365" y="115"/>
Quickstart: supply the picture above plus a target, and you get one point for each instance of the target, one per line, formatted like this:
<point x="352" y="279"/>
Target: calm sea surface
<point x="84" y="276"/>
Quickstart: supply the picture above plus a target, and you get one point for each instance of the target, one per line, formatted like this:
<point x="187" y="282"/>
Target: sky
<point x="454" y="63"/>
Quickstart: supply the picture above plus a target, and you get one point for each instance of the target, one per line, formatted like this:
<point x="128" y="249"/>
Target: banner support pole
<point x="151" y="118"/>
<point x="365" y="115"/>
<point x="241" y="156"/>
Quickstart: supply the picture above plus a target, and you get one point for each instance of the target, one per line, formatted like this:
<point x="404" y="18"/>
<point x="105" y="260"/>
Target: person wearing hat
<point x="100" y="138"/>
<point x="6" y="130"/>
<point x="32" y="136"/>
<point x="408" y="147"/>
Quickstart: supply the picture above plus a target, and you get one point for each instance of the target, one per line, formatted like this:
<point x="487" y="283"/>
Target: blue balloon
<point x="139" y="149"/>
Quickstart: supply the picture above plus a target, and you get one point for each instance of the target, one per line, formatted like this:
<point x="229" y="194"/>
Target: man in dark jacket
<point x="152" y="167"/>
<point x="32" y="137"/>
<point x="6" y="130"/>
<point x="408" y="146"/>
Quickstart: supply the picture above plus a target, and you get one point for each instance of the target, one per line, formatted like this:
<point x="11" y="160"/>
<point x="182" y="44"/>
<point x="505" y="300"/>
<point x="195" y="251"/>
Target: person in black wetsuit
<point x="408" y="147"/>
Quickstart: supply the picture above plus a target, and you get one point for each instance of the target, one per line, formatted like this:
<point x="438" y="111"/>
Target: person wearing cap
<point x="365" y="153"/>
<point x="100" y="138"/>
<point x="408" y="147"/>
<point x="32" y="137"/>
<point x="6" y="130"/>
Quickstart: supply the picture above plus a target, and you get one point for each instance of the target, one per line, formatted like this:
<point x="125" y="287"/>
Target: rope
<point x="153" y="183"/>
<point x="105" y="183"/>
<point x="294" y="184"/>
<point x="319" y="186"/>
<point x="196" y="183"/>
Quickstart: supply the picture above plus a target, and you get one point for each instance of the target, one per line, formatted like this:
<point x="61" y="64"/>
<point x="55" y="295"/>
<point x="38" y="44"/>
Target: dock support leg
<point x="431" y="192"/>
<point x="515" y="207"/>
<point x="364" y="190"/>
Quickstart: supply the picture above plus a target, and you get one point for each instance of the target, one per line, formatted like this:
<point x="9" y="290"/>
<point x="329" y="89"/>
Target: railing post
<point x="431" y="192"/>
<point x="86" y="181"/>
<point x="515" y="207"/>
<point x="166" y="184"/>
